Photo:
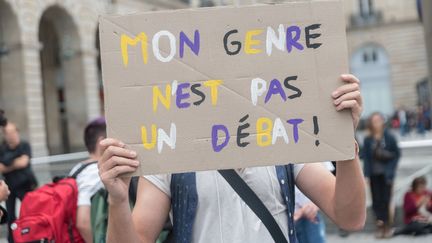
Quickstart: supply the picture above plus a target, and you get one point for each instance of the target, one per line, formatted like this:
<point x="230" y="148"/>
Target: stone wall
<point x="22" y="94"/>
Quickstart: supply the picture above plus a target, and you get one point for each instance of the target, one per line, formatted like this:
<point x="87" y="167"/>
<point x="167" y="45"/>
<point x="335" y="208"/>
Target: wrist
<point x="117" y="201"/>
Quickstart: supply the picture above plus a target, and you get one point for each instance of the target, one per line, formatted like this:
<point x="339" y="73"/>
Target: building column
<point x="427" y="23"/>
<point x="91" y="84"/>
<point x="34" y="98"/>
<point x="195" y="3"/>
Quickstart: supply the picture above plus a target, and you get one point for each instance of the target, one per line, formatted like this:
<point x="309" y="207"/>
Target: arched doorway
<point x="63" y="81"/>
<point x="12" y="85"/>
<point x="371" y="65"/>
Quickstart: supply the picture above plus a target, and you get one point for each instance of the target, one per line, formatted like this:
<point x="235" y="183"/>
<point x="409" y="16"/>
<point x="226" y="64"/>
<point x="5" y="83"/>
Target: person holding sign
<point x="205" y="208"/>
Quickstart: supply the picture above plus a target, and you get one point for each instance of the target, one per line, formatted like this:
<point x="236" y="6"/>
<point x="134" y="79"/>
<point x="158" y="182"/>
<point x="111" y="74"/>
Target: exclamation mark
<point x="316" y="129"/>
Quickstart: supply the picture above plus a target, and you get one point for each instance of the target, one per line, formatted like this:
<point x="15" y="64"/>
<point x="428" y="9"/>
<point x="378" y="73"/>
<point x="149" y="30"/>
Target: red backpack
<point x="48" y="214"/>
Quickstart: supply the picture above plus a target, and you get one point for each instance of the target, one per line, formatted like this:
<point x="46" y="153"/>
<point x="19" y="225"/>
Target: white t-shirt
<point x="88" y="182"/>
<point x="222" y="216"/>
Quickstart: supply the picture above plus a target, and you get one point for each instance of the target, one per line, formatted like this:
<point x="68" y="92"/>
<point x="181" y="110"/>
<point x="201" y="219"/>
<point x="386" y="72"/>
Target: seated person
<point x="417" y="209"/>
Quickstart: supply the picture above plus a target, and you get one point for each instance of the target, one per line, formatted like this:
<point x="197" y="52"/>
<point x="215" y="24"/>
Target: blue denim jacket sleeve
<point x="184" y="203"/>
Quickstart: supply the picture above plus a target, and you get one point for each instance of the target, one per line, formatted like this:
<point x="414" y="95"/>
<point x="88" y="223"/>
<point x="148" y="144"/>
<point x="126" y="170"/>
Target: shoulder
<point x="91" y="169"/>
<point x="296" y="169"/>
<point x="88" y="182"/>
<point x="408" y="195"/>
<point x="24" y="143"/>
<point x="75" y="168"/>
<point x="389" y="135"/>
<point x="161" y="181"/>
<point x="89" y="173"/>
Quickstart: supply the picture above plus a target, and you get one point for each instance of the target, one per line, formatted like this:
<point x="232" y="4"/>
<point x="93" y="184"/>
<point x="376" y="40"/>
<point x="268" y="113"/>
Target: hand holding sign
<point x="251" y="89"/>
<point x="348" y="97"/>
<point x="115" y="162"/>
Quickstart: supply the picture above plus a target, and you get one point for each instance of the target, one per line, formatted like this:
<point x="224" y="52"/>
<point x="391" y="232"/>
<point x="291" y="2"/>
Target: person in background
<point x="417" y="209"/>
<point x="421" y="120"/>
<point x="427" y="114"/>
<point x="403" y="121"/>
<point x="88" y="180"/>
<point x="15" y="155"/>
<point x="381" y="155"/>
<point x="309" y="224"/>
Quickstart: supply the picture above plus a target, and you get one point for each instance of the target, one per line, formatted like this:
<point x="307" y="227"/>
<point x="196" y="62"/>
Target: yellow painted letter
<point x="145" y="143"/>
<point x="213" y="84"/>
<point x="126" y="41"/>
<point x="157" y="96"/>
<point x="264" y="129"/>
<point x="251" y="42"/>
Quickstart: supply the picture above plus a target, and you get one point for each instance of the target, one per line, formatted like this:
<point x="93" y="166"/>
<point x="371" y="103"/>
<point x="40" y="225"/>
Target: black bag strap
<point x="254" y="203"/>
<point x="80" y="169"/>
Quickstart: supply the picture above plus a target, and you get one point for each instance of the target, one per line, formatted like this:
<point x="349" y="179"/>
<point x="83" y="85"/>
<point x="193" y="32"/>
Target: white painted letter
<point x="163" y="137"/>
<point x="256" y="90"/>
<point x="272" y="39"/>
<point x="174" y="86"/>
<point x="279" y="131"/>
<point x="155" y="44"/>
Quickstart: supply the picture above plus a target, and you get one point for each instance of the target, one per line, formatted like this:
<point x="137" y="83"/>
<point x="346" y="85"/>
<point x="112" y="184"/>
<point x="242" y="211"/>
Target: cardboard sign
<point x="205" y="89"/>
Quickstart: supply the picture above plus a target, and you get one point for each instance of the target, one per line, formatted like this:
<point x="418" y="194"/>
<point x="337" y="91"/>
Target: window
<point x="370" y="56"/>
<point x="207" y="3"/>
<point x="370" y="64"/>
<point x="366" y="8"/>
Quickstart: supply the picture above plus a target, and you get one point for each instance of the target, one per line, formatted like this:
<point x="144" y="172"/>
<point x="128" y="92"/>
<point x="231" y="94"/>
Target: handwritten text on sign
<point x="252" y="88"/>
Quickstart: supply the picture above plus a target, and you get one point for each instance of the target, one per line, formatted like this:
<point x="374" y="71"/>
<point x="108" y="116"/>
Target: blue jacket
<point x="184" y="202"/>
<point x="390" y="166"/>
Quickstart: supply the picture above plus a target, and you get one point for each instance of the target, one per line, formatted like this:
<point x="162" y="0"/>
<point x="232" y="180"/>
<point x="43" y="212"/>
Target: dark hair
<point x="369" y="120"/>
<point x="3" y="120"/>
<point x="417" y="182"/>
<point x="94" y="130"/>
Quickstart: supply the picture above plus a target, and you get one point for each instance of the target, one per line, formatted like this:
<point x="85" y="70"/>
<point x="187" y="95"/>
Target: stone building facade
<point x="49" y="74"/>
<point x="387" y="52"/>
<point x="426" y="8"/>
<point x="50" y="82"/>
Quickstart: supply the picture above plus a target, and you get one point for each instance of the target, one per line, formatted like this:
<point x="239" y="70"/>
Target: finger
<point x="117" y="151"/>
<point x="355" y="95"/>
<point x="117" y="171"/>
<point x="349" y="78"/>
<point x="349" y="104"/>
<point x="346" y="88"/>
<point x="310" y="217"/>
<point x="105" y="143"/>
<point x="307" y="211"/>
<point x="118" y="161"/>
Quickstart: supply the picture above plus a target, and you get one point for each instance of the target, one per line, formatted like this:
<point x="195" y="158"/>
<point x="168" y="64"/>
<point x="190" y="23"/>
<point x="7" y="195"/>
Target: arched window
<point x="12" y="85"/>
<point x="370" y="64"/>
<point x="63" y="80"/>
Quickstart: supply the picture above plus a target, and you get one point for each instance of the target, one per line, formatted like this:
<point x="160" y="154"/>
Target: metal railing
<point x="54" y="165"/>
<point x="48" y="167"/>
<point x="59" y="158"/>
